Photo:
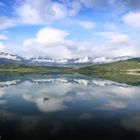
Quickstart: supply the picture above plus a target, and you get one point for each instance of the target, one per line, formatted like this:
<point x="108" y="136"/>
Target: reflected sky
<point x="68" y="106"/>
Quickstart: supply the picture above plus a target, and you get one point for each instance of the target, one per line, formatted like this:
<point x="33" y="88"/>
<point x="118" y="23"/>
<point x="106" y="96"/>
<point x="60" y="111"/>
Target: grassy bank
<point x="24" y="69"/>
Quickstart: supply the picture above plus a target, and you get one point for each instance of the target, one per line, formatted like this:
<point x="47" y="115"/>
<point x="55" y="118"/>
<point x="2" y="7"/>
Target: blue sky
<point x="70" y="28"/>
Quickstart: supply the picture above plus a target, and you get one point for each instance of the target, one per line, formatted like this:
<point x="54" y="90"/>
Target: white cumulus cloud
<point x="50" y="37"/>
<point x="132" y="19"/>
<point x="50" y="42"/>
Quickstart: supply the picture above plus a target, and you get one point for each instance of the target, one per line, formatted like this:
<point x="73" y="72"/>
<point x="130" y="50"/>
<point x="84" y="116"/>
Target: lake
<point x="39" y="107"/>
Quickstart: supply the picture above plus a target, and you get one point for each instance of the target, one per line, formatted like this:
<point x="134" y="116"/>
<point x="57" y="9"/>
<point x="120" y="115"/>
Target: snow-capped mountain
<point x="42" y="59"/>
<point x="4" y="55"/>
<point x="61" y="62"/>
<point x="6" y="58"/>
<point x="76" y="61"/>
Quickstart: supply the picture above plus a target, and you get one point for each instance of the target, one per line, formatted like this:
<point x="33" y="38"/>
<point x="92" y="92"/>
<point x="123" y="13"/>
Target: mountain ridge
<point x="7" y="58"/>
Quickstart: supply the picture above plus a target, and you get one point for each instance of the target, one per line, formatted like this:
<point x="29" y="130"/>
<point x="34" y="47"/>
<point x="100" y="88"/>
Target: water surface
<point x="38" y="107"/>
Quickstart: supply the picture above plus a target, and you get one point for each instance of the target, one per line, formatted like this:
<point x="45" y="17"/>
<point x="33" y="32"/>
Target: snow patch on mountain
<point x="9" y="56"/>
<point x="80" y="60"/>
<point x="41" y="59"/>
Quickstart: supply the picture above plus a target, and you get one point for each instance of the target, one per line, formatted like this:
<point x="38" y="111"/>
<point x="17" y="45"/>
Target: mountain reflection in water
<point x="68" y="107"/>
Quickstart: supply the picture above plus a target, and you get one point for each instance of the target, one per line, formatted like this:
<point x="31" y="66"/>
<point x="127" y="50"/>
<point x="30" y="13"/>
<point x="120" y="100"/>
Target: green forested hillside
<point x="120" y="66"/>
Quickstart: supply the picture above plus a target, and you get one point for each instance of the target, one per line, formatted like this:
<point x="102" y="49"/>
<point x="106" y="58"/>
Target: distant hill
<point x="119" y="66"/>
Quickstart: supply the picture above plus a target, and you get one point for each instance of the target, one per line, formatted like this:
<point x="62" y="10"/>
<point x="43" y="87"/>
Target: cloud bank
<point x="70" y="28"/>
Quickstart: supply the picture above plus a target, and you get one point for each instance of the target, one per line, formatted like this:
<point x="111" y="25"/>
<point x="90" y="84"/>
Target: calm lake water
<point x="68" y="107"/>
